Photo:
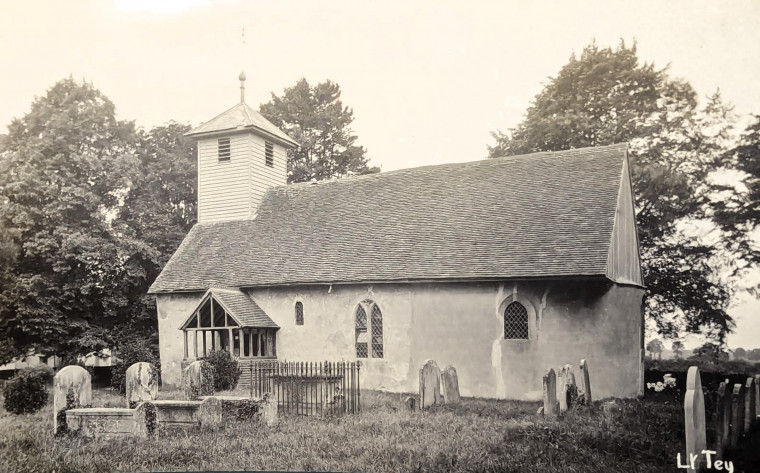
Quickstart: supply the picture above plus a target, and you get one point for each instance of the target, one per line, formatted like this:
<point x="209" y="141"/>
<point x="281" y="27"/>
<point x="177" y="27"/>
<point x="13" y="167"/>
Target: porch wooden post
<point x="250" y="343"/>
<point x="241" y="343"/>
<point x="258" y="348"/>
<point x="211" y="307"/>
<point x="184" y="332"/>
<point x="195" y="344"/>
<point x="217" y="340"/>
<point x="231" y="343"/>
<point x="205" y="353"/>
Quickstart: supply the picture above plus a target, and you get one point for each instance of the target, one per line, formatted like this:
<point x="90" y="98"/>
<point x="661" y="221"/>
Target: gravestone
<point x="269" y="410"/>
<point x="749" y="404"/>
<point x="210" y="413"/>
<point x="723" y="419"/>
<point x="142" y="384"/>
<point x="757" y="397"/>
<point x="198" y="380"/>
<point x="430" y="382"/>
<point x="694" y="411"/>
<point x="562" y="390"/>
<point x="410" y="403"/>
<point x="550" y="394"/>
<point x="566" y="388"/>
<point x="450" y="384"/>
<point x="145" y="422"/>
<point x="737" y="414"/>
<point x="72" y="389"/>
<point x="585" y="382"/>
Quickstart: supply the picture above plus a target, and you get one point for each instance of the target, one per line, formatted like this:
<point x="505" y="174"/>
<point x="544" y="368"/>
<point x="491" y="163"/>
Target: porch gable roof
<point x="239" y="305"/>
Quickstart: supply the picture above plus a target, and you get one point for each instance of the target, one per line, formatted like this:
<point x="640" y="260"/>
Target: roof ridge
<point x="477" y="162"/>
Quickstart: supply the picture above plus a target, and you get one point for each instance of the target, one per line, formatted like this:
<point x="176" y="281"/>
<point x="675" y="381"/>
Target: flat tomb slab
<point x="111" y="422"/>
<point x="177" y="413"/>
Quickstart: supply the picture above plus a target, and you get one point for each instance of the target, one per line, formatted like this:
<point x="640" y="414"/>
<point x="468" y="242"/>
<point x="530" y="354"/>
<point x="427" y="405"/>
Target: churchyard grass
<point x="475" y="435"/>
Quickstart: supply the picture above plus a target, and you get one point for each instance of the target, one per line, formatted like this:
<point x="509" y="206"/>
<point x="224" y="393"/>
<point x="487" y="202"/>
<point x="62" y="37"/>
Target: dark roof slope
<point x="243" y="307"/>
<point x="532" y="216"/>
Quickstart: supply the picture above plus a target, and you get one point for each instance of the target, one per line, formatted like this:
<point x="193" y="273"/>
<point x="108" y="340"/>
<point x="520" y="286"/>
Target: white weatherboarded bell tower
<point x="240" y="155"/>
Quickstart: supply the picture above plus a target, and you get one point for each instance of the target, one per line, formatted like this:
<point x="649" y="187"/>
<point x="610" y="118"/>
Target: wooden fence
<point x="305" y="388"/>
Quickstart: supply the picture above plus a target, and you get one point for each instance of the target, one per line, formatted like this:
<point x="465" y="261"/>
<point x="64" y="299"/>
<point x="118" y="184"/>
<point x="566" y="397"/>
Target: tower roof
<point x="241" y="117"/>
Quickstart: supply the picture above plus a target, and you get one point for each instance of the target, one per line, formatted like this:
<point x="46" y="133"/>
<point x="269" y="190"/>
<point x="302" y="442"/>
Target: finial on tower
<point x="241" y="77"/>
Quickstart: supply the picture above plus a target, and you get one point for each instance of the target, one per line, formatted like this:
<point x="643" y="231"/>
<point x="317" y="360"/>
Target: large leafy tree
<point x="738" y="209"/>
<point x="317" y="119"/>
<point x="606" y="96"/>
<point x="67" y="269"/>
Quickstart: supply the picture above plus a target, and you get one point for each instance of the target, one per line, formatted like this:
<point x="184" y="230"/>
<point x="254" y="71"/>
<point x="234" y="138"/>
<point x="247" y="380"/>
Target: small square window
<point x="223" y="146"/>
<point x="269" y="153"/>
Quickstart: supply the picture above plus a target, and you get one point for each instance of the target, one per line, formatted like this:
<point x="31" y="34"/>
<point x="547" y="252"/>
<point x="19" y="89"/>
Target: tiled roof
<point x="240" y="117"/>
<point x="533" y="216"/>
<point x="243" y="308"/>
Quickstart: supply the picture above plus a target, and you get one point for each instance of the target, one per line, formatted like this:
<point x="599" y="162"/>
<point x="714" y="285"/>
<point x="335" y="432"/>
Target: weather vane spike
<point x="241" y="77"/>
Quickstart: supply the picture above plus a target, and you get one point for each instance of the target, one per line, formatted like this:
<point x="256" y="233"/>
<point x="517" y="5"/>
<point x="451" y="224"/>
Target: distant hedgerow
<point x="27" y="391"/>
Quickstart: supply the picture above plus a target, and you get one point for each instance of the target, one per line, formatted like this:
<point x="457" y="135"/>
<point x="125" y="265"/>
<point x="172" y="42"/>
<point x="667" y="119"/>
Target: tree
<point x="158" y="209"/>
<point x="740" y="354"/>
<point x="68" y="268"/>
<point x="738" y="210"/>
<point x="316" y="118"/>
<point x="710" y="353"/>
<point x="655" y="347"/>
<point x="677" y="348"/>
<point x="607" y="97"/>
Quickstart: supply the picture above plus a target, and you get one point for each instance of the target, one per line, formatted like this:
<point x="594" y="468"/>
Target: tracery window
<point x="369" y="331"/>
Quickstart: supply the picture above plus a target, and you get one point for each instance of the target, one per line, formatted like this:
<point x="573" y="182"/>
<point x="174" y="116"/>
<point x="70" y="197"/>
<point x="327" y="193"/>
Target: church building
<point x="502" y="267"/>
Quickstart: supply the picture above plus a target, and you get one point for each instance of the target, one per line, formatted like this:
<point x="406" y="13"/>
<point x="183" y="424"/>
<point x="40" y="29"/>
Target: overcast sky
<point x="427" y="80"/>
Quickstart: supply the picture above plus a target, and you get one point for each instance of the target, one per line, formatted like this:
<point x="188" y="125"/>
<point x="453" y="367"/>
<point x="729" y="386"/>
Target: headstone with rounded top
<point x="210" y="413"/>
<point x="141" y="381"/>
<point x="72" y="389"/>
<point x="430" y="384"/>
<point x="694" y="411"/>
<point x="411" y="403"/>
<point x="450" y="384"/>
<point x="198" y="380"/>
<point x="269" y="410"/>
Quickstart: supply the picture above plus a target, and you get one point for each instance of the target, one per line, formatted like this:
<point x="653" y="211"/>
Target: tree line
<point x="92" y="207"/>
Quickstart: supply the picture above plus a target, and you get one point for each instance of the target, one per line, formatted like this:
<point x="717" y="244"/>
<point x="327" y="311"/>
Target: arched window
<point x="299" y="313"/>
<point x="515" y="322"/>
<point x="369" y="332"/>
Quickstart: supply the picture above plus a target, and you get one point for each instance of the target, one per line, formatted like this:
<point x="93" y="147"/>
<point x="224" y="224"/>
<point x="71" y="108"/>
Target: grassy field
<point x="476" y="435"/>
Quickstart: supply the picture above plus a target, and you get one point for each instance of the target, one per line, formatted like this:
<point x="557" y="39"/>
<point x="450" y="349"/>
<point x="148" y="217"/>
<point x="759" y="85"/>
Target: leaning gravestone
<point x="737" y="414"/>
<point x="72" y="388"/>
<point x="198" y="380"/>
<point x="723" y="419"/>
<point x="585" y="382"/>
<point x="142" y="384"/>
<point x="430" y="384"/>
<point x="550" y="394"/>
<point x="694" y="411"/>
<point x="749" y="404"/>
<point x="450" y="384"/>
<point x="566" y="388"/>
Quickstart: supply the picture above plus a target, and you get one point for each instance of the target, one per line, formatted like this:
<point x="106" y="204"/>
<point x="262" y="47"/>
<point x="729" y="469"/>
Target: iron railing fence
<point x="304" y="388"/>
